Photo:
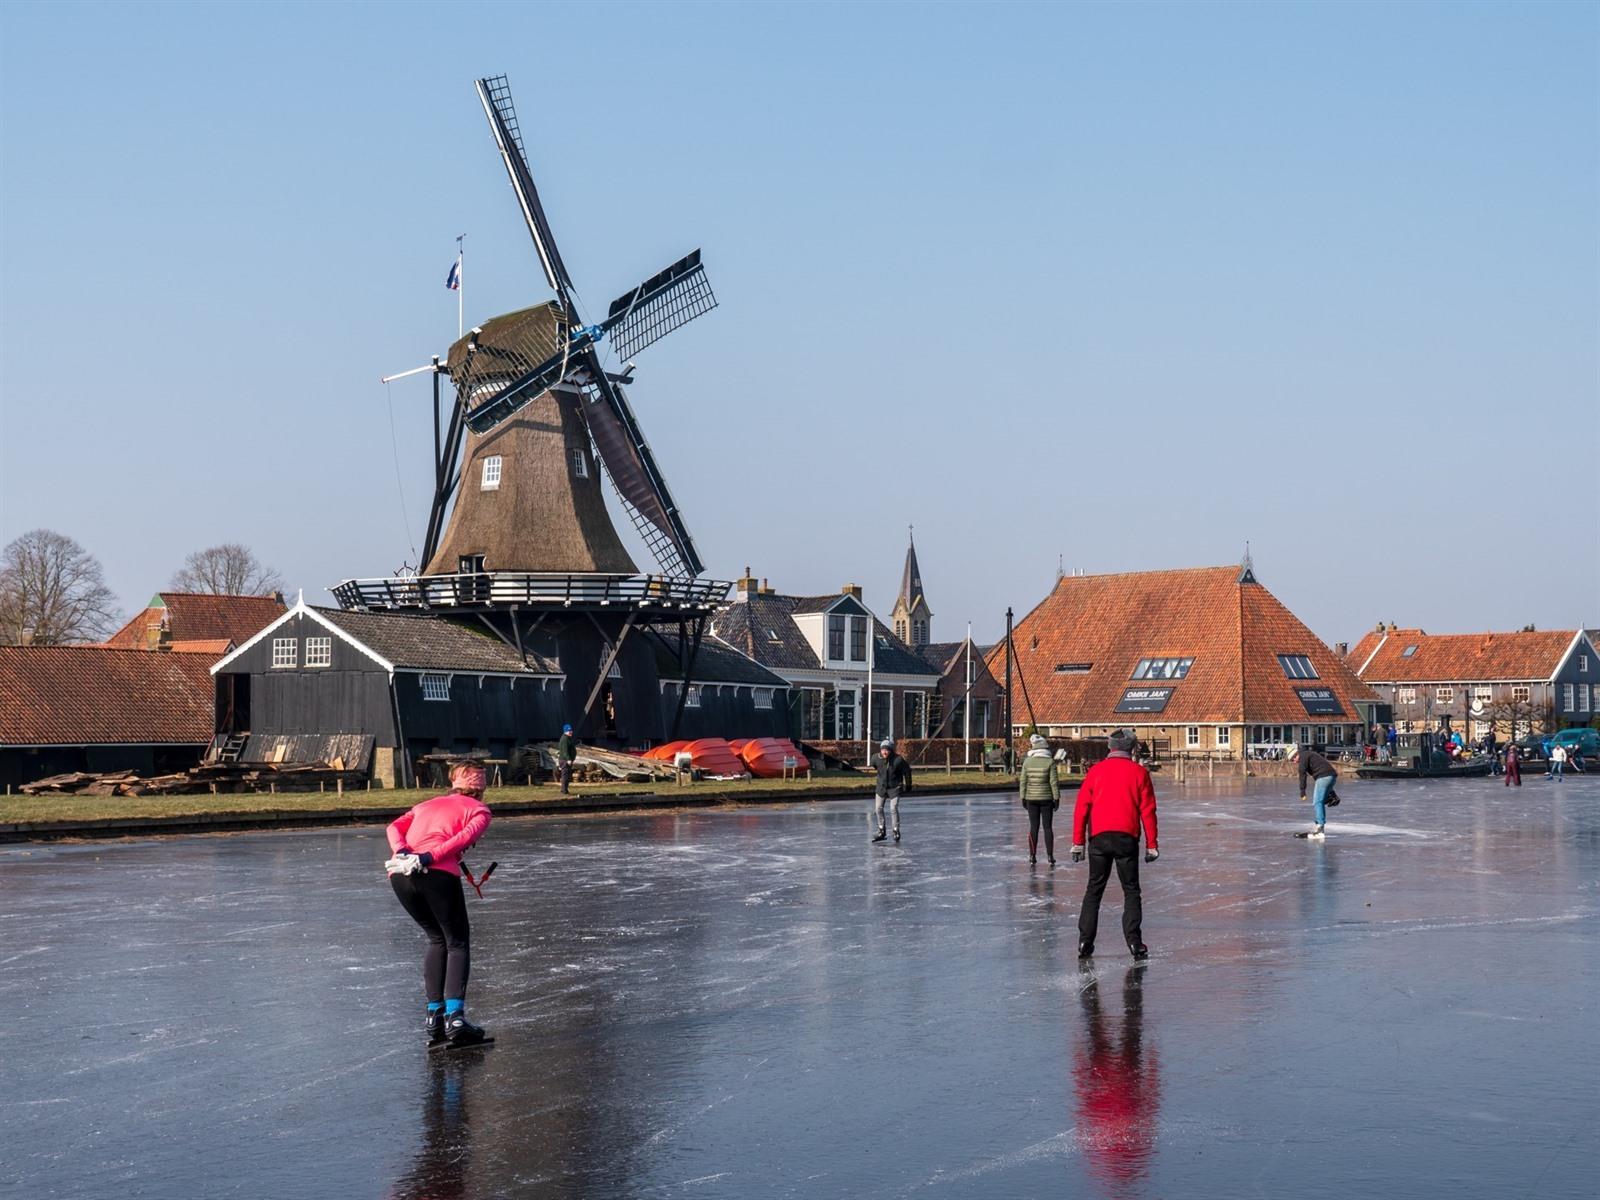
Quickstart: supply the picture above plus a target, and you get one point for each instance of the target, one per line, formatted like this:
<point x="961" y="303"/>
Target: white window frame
<point x="692" y="698"/>
<point x="1191" y="737"/>
<point x="319" y="652"/>
<point x="491" y="474"/>
<point x="1407" y="695"/>
<point x="1224" y="737"/>
<point x="580" y="463"/>
<point x="762" y="696"/>
<point x="1583" y="664"/>
<point x="433" y="683"/>
<point x="1444" y="695"/>
<point x="1521" y="692"/>
<point x="285" y="653"/>
<point x="1583" y="698"/>
<point x="1482" y="693"/>
<point x="1566" y="698"/>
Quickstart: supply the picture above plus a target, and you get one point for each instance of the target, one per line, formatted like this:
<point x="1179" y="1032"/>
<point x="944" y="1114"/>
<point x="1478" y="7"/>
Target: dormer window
<point x="580" y="463"/>
<point x="491" y="474"/>
<point x="1297" y="666"/>
<point x="835" y="637"/>
<point x="1408" y="652"/>
<point x="1162" y="668"/>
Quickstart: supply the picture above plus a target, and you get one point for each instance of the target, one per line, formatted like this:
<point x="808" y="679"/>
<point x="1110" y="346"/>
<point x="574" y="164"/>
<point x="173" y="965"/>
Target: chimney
<point x="765" y="588"/>
<point x="744" y="587"/>
<point x="851" y="589"/>
<point x="1342" y="649"/>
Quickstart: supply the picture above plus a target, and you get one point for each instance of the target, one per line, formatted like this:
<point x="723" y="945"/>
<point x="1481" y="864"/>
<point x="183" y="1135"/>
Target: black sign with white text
<point x="1145" y="700"/>
<point x="1320" y="702"/>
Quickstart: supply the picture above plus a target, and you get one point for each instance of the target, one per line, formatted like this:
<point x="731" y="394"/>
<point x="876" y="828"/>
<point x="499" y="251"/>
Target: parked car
<point x="1586" y="740"/>
<point x="1531" y="747"/>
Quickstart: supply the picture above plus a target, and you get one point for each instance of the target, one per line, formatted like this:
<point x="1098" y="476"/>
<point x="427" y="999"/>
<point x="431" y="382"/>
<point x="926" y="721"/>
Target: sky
<point x="1106" y="287"/>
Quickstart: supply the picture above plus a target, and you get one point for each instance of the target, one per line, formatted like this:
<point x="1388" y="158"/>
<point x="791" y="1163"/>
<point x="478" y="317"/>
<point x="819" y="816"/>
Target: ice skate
<point x="460" y="1033"/>
<point x="1085" y="949"/>
<point x="1139" y="951"/>
<point x="433" y="1026"/>
<point x="879" y="836"/>
<point x="897" y="835"/>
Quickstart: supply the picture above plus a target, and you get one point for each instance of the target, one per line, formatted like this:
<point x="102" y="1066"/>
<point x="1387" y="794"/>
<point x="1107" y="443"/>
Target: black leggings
<point x="435" y="901"/>
<point x="1105" y="851"/>
<point x="1041" y="812"/>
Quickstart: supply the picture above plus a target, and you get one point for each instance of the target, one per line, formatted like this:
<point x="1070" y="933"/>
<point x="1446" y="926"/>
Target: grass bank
<point x="29" y="818"/>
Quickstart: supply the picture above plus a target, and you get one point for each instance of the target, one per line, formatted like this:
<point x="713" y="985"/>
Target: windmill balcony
<point x="524" y="589"/>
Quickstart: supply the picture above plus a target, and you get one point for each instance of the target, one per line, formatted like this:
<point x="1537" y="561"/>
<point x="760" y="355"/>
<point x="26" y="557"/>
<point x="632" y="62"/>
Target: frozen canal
<point x="759" y="1003"/>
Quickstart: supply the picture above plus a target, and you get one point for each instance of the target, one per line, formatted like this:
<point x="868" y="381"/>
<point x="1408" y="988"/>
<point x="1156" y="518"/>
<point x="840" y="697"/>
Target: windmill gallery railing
<point x="510" y="589"/>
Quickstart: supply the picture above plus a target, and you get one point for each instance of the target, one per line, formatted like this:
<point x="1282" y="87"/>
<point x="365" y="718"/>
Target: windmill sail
<point x="659" y="305"/>
<point x="632" y="468"/>
<point x="495" y="95"/>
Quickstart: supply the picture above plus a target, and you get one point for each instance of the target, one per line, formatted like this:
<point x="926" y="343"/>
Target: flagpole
<point x="461" y="289"/>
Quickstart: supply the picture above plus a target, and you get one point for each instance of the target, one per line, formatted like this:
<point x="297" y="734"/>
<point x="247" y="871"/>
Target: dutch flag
<point x="453" y="280"/>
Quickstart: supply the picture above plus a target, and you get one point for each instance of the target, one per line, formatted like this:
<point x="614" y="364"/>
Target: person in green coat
<point x="566" y="751"/>
<point x="1039" y="788"/>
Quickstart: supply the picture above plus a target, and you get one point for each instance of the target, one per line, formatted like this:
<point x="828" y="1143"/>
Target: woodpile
<point x="207" y="777"/>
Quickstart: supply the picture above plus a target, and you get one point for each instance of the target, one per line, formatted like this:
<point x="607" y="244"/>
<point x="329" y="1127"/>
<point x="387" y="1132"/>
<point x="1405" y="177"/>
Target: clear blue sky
<point x="1128" y="284"/>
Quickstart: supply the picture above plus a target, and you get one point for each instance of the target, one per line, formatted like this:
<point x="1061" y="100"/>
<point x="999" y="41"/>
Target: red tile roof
<point x="1362" y="650"/>
<point x="1468" y="657"/>
<point x="97" y="695"/>
<point x="216" y="647"/>
<point x="193" y="617"/>
<point x="1234" y="632"/>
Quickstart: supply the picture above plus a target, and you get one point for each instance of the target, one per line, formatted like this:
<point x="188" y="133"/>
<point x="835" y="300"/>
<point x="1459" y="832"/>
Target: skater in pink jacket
<point x="425" y="872"/>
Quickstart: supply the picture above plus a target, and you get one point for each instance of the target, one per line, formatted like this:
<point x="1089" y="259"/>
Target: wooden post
<point x="339" y="785"/>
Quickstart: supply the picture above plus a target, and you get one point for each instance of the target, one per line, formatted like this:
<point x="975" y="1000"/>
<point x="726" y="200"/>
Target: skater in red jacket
<point x="1115" y="801"/>
<point x="425" y="872"/>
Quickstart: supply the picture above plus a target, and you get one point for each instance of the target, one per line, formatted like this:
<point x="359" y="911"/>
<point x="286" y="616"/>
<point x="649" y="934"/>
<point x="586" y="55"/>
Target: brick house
<point x="204" y="622"/>
<point x="947" y="714"/>
<point x="1199" y="661"/>
<point x="828" y="648"/>
<point x="1530" y="681"/>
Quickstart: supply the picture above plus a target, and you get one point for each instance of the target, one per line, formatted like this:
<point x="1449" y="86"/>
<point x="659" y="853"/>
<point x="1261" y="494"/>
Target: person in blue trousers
<point x="1322" y="775"/>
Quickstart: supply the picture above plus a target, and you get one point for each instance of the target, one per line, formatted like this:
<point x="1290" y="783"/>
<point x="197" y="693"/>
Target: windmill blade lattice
<point x="662" y="303"/>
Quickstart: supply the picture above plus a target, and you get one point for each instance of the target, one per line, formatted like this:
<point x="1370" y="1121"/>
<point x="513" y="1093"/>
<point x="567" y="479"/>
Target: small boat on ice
<point x="1423" y="756"/>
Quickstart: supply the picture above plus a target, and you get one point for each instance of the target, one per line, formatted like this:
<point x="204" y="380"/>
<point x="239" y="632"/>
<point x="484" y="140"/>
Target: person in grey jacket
<point x="894" y="778"/>
<point x="1039" y="789"/>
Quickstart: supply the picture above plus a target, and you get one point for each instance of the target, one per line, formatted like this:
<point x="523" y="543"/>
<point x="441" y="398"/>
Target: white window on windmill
<point x="691" y="698"/>
<point x="491" y="473"/>
<point x="580" y="463"/>
<point x="762" y="697"/>
<point x="435" y="687"/>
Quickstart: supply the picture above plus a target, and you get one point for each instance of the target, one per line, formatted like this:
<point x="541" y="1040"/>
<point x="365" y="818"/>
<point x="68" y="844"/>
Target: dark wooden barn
<point x="419" y="684"/>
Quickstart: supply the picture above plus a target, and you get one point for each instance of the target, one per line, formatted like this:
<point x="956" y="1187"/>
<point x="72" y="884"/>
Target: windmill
<point x="518" y="537"/>
<point x="512" y="362"/>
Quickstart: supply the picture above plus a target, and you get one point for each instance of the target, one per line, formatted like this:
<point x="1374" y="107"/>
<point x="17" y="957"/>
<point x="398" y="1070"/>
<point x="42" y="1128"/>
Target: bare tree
<point x="227" y="570"/>
<point x="52" y="591"/>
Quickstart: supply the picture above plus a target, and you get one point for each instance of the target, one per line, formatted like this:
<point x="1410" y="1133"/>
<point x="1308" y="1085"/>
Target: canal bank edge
<point x="106" y="828"/>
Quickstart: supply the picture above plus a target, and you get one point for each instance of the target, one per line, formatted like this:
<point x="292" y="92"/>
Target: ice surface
<point x="758" y="1003"/>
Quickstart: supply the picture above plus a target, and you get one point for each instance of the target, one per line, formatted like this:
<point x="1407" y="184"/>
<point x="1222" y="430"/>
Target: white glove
<point x="403" y="864"/>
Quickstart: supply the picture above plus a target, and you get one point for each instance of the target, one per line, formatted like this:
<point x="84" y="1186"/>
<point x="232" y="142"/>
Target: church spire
<point x="912" y="618"/>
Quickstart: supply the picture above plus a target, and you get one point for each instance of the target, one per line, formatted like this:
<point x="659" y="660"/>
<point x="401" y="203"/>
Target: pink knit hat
<point x="468" y="777"/>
